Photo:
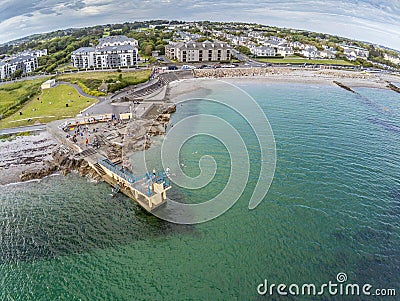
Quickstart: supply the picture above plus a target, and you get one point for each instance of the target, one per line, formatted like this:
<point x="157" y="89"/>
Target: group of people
<point x="83" y="132"/>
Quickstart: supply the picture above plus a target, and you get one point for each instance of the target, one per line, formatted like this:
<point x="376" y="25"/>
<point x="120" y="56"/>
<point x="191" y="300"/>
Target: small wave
<point x="31" y="181"/>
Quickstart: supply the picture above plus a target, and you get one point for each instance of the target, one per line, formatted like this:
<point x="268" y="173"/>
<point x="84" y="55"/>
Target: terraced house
<point x="186" y="52"/>
<point x="111" y="52"/>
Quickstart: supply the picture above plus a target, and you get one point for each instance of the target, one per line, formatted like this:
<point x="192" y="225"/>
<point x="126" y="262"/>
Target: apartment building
<point x="26" y="63"/>
<point x="111" y="52"/>
<point x="199" y="51"/>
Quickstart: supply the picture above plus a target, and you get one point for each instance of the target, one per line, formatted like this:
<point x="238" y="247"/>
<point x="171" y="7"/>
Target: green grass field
<point x="116" y="80"/>
<point x="14" y="95"/>
<point x="301" y="60"/>
<point x="66" y="67"/>
<point x="49" y="105"/>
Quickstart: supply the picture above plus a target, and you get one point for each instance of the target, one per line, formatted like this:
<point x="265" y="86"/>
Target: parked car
<point x="187" y="67"/>
<point x="172" y="67"/>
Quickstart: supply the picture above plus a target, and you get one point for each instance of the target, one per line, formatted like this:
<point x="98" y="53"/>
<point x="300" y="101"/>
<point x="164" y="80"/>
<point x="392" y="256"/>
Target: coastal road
<point x="248" y="61"/>
<point x="31" y="128"/>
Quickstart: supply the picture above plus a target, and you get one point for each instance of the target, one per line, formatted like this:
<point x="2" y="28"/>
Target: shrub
<point x="90" y="92"/>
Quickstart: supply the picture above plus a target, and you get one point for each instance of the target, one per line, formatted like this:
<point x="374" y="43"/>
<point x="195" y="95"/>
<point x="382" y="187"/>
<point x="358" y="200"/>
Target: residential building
<point x="310" y="52"/>
<point x="36" y="52"/>
<point x="111" y="52"/>
<point x="117" y="41"/>
<point x="391" y="58"/>
<point x="285" y="51"/>
<point x="238" y="40"/>
<point x="199" y="51"/>
<point x="2" y="70"/>
<point x="354" y="51"/>
<point x="277" y="40"/>
<point x="187" y="37"/>
<point x="26" y="63"/>
<point x="83" y="58"/>
<point x="327" y="54"/>
<point x="263" y="51"/>
<point x="297" y="45"/>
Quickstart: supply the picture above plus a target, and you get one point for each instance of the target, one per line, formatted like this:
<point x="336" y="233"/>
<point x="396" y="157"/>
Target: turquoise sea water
<point x="334" y="206"/>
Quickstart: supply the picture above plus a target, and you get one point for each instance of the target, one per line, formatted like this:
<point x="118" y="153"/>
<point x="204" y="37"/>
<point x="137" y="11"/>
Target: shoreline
<point x="24" y="153"/>
<point x="182" y="89"/>
<point x="301" y="76"/>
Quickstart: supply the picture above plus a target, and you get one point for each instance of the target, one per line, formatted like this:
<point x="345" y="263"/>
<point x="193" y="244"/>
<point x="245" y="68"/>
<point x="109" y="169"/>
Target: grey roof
<point x="116" y="48"/>
<point x="20" y="58"/>
<point x="265" y="48"/>
<point x="83" y="50"/>
<point x="200" y="45"/>
<point x="114" y="39"/>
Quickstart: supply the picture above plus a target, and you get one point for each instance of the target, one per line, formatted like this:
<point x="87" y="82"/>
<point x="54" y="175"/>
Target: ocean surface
<point x="333" y="207"/>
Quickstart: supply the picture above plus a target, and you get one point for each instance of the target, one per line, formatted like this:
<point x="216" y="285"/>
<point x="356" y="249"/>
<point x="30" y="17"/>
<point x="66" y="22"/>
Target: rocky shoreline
<point x="63" y="159"/>
<point x="19" y="154"/>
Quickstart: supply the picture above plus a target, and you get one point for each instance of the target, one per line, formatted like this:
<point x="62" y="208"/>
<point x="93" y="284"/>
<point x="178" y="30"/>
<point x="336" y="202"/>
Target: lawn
<point x="301" y="60"/>
<point x="49" y="105"/>
<point x="66" y="67"/>
<point x="116" y="80"/>
<point x="14" y="95"/>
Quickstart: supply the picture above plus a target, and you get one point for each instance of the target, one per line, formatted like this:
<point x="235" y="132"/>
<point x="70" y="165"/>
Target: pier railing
<point x="159" y="177"/>
<point x="124" y="174"/>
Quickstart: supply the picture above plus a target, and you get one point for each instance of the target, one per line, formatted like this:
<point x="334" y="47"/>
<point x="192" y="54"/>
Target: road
<point x="31" y="128"/>
<point x="248" y="61"/>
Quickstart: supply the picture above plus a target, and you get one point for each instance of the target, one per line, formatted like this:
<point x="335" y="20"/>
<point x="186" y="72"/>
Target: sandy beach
<point x="192" y="88"/>
<point x="301" y="75"/>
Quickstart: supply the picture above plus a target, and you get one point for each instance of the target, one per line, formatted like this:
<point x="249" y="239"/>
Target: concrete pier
<point x="148" y="191"/>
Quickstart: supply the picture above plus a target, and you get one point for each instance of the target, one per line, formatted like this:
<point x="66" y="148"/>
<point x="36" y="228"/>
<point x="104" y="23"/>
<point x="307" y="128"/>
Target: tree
<point x="148" y="50"/>
<point x="245" y="50"/>
<point x="160" y="49"/>
<point x="17" y="73"/>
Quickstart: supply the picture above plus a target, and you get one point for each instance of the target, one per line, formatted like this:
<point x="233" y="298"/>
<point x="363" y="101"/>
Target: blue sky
<point x="374" y="21"/>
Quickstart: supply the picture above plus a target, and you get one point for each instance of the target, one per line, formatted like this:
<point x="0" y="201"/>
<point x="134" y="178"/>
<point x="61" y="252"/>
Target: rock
<point x="167" y="109"/>
<point x="36" y="173"/>
<point x="65" y="161"/>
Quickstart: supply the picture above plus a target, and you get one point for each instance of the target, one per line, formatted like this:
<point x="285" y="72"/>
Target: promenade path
<point x="21" y="129"/>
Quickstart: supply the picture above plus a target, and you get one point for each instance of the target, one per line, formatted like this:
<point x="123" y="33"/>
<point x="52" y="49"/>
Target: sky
<point x="368" y="20"/>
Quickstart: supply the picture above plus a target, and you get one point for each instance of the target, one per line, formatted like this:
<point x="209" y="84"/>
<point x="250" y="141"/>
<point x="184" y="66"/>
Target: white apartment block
<point x="26" y="63"/>
<point x="111" y="52"/>
<point x="199" y="51"/>
<point x="83" y="57"/>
